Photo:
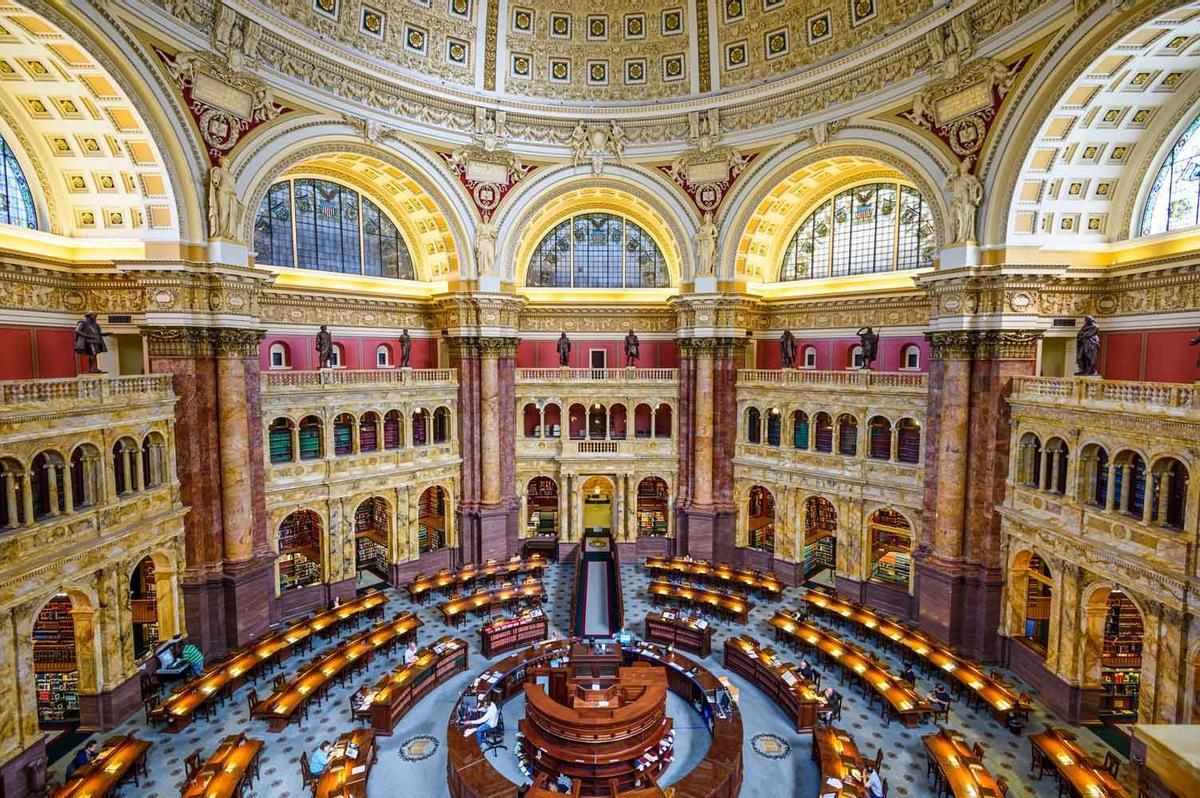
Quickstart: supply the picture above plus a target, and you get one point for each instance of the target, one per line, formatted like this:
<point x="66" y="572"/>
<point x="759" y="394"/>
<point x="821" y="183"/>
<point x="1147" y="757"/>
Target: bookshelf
<point x="391" y="430"/>
<point x="343" y="436"/>
<point x="800" y="432"/>
<point x="1121" y="657"/>
<point x="891" y="548"/>
<point x="279" y="441"/>
<point x="367" y="439"/>
<point x="652" y="508"/>
<point x="56" y="674"/>
<point x="310" y="441"/>
<point x="299" y="551"/>
<point x="370" y="554"/>
<point x="431" y="530"/>
<point x="908" y="442"/>
<point x="143" y="605"/>
<point x="505" y="634"/>
<point x="819" y="555"/>
<point x="542" y="506"/>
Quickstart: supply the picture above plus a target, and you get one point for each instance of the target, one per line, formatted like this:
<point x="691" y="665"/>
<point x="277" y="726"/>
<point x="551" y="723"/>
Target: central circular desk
<point x="469" y="773"/>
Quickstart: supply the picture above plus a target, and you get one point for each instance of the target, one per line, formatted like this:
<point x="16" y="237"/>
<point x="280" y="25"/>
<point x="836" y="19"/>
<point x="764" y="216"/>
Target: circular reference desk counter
<point x="469" y="774"/>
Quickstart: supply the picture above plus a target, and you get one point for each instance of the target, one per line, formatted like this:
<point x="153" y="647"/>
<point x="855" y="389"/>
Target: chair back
<point x="251" y="699"/>
<point x="977" y="750"/>
<point x="885" y="788"/>
<point x="305" y="771"/>
<point x="1002" y="784"/>
<point x="878" y="758"/>
<point x="192" y="764"/>
<point x="279" y="681"/>
<point x="1111" y="763"/>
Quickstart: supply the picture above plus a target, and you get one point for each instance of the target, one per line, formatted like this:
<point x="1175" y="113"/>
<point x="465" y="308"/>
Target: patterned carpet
<point x="777" y="761"/>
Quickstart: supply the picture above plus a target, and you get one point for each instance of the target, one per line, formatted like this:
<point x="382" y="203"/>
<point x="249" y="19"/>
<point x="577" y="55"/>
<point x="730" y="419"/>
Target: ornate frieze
<point x="589" y="319"/>
<point x="706" y="172"/>
<point x="905" y="310"/>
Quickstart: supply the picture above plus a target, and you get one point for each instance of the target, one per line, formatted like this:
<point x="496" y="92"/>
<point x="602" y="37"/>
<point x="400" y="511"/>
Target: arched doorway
<point x="1038" y="585"/>
<point x="143" y="608"/>
<point x="541" y="502"/>
<point x="300" y="551"/>
<point x="597" y="504"/>
<point x="652" y="508"/>
<point x="1112" y="652"/>
<point x="431" y="512"/>
<point x="760" y="520"/>
<point x="890" y="534"/>
<point x="55" y="664"/>
<point x="820" y="536"/>
<point x="372" y="527"/>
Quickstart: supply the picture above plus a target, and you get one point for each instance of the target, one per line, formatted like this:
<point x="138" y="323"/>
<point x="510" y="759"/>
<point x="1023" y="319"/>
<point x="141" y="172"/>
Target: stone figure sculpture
<point x="485" y="248"/>
<point x="405" y="348"/>
<point x="633" y="349"/>
<point x="224" y="208"/>
<point x="966" y="192"/>
<point x="869" y="340"/>
<point x="706" y="246"/>
<point x="1087" y="348"/>
<point x="324" y="348"/>
<point x="89" y="342"/>
<point x="787" y="349"/>
<point x="564" y="350"/>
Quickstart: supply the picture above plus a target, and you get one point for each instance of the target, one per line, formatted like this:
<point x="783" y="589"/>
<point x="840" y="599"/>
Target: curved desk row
<point x="399" y="691"/>
<point x="840" y="763"/>
<point x="780" y="681"/>
<point x="733" y="607"/>
<point x="454" y="609"/>
<point x="719" y="775"/>
<point x="722" y="575"/>
<point x="419" y="588"/>
<point x="680" y="630"/>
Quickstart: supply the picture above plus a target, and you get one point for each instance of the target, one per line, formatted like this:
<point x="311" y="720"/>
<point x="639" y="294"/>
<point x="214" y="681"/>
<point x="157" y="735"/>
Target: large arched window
<point x="16" y="203"/>
<point x="597" y="250"/>
<point x="1174" y="199"/>
<point x="318" y="224"/>
<point x="877" y="227"/>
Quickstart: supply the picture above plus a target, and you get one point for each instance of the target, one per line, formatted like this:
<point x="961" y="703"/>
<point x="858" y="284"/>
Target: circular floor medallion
<point x="414" y="749"/>
<point x="771" y="746"/>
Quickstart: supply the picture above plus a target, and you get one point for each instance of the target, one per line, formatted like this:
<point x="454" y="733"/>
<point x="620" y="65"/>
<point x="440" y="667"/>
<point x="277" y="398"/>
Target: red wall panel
<point x="17" y="362"/>
<point x="833" y="354"/>
<point x="1169" y="358"/>
<point x="542" y="354"/>
<point x="1121" y="355"/>
<point x="359" y="351"/>
<point x="56" y="353"/>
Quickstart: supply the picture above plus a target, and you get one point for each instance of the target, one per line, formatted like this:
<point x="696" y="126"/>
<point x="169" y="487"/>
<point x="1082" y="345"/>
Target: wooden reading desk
<point x="345" y="777"/>
<point x="962" y="772"/>
<point x="228" y="771"/>
<point x="177" y="710"/>
<point x="734" y="607"/>
<point x="680" y="630"/>
<point x="121" y="758"/>
<point x="502" y="635"/>
<point x="280" y="708"/>
<point x="838" y="758"/>
<point x="399" y="691"/>
<point x="899" y="700"/>
<point x="1075" y="769"/>
<point x="1002" y="701"/>
<point x="420" y="588"/>
<point x="782" y="682"/>
<point x="454" y="610"/>
<point x="721" y="575"/>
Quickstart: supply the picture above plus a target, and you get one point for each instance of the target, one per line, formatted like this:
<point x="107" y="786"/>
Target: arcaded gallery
<point x="660" y="399"/>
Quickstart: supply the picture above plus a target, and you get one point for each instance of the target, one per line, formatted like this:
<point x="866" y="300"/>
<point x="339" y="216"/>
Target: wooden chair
<point x="152" y="717"/>
<point x="977" y="750"/>
<point x="251" y="700"/>
<point x="192" y="765"/>
<point x="306" y="773"/>
<point x="1002" y="784"/>
<point x="885" y="788"/>
<point x="879" y="758"/>
<point x="941" y="715"/>
<point x="1112" y="764"/>
<point x="279" y="681"/>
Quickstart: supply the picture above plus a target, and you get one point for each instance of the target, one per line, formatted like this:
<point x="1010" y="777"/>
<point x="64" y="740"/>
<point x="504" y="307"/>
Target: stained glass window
<point x="597" y="250"/>
<point x="1174" y="199"/>
<point x="877" y="227"/>
<point x="16" y="203"/>
<point x="319" y="224"/>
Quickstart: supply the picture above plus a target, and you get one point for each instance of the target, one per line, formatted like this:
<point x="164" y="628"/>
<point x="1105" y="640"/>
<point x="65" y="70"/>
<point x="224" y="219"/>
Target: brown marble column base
<point x="427" y="563"/>
<point x="959" y="604"/>
<point x="14" y="780"/>
<point x="1071" y="703"/>
<point x="697" y="528"/>
<point x="249" y="592"/>
<point x="204" y="614"/>
<point x="890" y="599"/>
<point x="107" y="710"/>
<point x="488" y="533"/>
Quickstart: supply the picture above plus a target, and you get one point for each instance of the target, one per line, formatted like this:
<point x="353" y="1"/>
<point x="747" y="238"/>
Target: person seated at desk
<point x="940" y="698"/>
<point x="359" y="700"/>
<point x="907" y="674"/>
<point x="806" y="670"/>
<point x="318" y="763"/>
<point x="409" y="655"/>
<point x="84" y="756"/>
<point x="192" y="655"/>
<point x="485" y="723"/>
<point x="874" y="783"/>
<point x="832" y="700"/>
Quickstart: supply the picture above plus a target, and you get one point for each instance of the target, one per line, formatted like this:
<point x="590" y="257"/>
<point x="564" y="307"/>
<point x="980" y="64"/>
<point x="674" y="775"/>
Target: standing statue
<point x="1087" y="348"/>
<point x="966" y="192"/>
<point x="485" y="248"/>
<point x="89" y="342"/>
<point x="1195" y="342"/>
<point x="869" y="339"/>
<point x="224" y="208"/>
<point x="633" y="349"/>
<point x="564" y="350"/>
<point x="405" y="348"/>
<point x="787" y="349"/>
<point x="706" y="246"/>
<point x="324" y="348"/>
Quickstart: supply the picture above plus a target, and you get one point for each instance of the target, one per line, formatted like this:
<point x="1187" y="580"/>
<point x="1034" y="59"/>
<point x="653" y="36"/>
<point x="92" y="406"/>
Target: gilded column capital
<point x="237" y="341"/>
<point x="1009" y="344"/>
<point x="497" y="347"/>
<point x="187" y="342"/>
<point x="716" y="347"/>
<point x="952" y="344"/>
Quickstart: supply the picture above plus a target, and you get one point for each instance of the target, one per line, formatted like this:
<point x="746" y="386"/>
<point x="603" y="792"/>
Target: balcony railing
<point x="95" y="389"/>
<point x="356" y="377"/>
<point x="610" y="375"/>
<point x="860" y="379"/>
<point x="1109" y="394"/>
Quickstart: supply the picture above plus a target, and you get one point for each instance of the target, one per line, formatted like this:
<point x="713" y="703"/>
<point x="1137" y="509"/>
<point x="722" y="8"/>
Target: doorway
<point x="597" y="504"/>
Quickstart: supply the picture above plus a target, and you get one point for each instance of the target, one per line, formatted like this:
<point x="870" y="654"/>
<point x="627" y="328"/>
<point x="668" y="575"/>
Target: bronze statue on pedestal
<point x="89" y="342"/>
<point x="324" y="348"/>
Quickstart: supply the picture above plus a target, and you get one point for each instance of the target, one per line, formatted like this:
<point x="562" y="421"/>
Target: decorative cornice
<point x="178" y="342"/>
<point x="952" y="344"/>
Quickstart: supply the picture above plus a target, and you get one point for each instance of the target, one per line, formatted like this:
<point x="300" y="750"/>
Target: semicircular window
<point x="1174" y="199"/>
<point x="877" y="227"/>
<point x="17" y="208"/>
<point x="318" y="224"/>
<point x="597" y="250"/>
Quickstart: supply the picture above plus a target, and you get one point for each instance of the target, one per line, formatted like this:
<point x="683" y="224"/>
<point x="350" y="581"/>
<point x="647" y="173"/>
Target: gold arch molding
<point x="592" y="199"/>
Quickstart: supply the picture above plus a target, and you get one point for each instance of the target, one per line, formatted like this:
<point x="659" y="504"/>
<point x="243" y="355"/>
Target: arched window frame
<point x="844" y="249"/>
<point x="809" y="360"/>
<point x="1158" y="213"/>
<point x="383" y="357"/>
<point x="910" y="358"/>
<point x="19" y="209"/>
<point x="278" y="356"/>
<point x="360" y="234"/>
<point x="597" y="271"/>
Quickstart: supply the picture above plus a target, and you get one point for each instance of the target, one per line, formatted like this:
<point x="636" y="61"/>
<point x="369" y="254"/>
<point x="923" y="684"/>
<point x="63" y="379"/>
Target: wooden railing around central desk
<point x="780" y="681"/>
<point x="399" y="691"/>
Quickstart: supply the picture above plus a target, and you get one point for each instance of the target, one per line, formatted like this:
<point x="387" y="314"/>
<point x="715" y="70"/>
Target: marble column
<point x="27" y="497"/>
<point x="10" y="499"/>
<point x="489" y="417"/>
<point x="703" y="430"/>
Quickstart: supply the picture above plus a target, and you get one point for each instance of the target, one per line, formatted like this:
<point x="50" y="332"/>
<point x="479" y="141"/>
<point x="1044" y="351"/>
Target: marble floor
<point x="413" y="761"/>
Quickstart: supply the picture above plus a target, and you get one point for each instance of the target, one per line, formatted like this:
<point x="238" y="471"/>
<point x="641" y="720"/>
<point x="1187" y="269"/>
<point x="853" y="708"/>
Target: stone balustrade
<point x="277" y="381"/>
<point x="855" y="380"/>
<point x="1158" y="398"/>
<point x="625" y="375"/>
<point x="88" y="391"/>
